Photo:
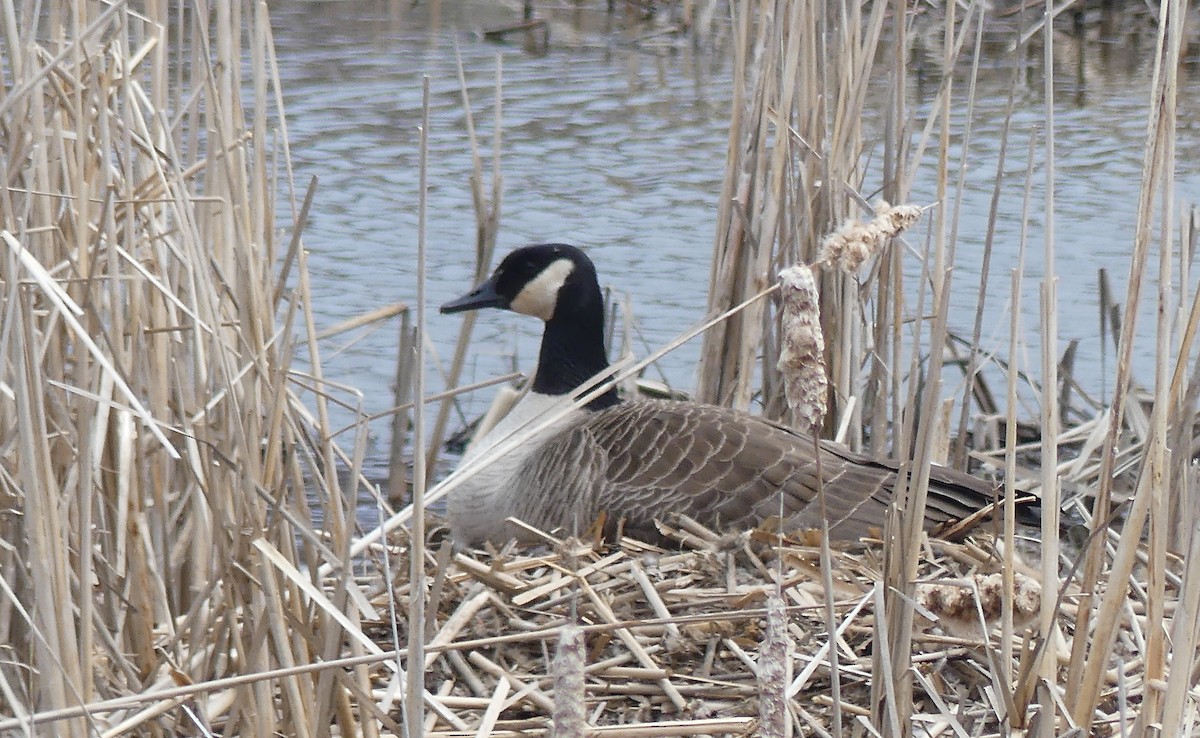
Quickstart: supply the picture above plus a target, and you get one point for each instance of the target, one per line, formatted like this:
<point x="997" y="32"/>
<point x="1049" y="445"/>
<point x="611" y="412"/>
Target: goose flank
<point x="638" y="461"/>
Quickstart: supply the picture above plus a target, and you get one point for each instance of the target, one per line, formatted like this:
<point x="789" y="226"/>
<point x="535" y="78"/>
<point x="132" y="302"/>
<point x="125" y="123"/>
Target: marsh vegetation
<point x="179" y="542"/>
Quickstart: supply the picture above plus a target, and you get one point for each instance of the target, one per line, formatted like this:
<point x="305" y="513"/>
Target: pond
<point x="620" y="149"/>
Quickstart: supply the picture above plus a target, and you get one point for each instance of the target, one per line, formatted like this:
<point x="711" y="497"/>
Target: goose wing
<point x="641" y="461"/>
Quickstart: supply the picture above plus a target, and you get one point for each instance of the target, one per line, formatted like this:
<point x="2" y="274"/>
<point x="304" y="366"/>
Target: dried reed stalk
<point x="167" y="573"/>
<point x="1047" y="666"/>
<point x="487" y="224"/>
<point x="779" y="84"/>
<point x="414" y="691"/>
<point x="796" y="124"/>
<point x="1016" y="700"/>
<point x="1088" y="657"/>
<point x="916" y="425"/>
<point x="158" y="447"/>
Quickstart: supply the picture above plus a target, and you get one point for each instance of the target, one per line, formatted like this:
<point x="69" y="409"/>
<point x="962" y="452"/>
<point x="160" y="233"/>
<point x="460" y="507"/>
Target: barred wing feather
<point x="647" y="460"/>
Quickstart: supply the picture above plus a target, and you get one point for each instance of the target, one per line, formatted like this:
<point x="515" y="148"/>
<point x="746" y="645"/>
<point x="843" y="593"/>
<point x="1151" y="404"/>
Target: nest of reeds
<point x="675" y="635"/>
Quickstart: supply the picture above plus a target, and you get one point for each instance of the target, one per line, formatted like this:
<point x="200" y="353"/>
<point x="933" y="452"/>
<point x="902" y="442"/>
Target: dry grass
<point x="797" y="167"/>
<point x="175" y="524"/>
<point x="166" y="497"/>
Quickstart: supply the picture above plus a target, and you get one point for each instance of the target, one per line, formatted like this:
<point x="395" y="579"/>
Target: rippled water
<point x="623" y="152"/>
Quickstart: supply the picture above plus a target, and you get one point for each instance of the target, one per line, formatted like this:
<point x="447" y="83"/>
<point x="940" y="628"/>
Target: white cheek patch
<point x="540" y="295"/>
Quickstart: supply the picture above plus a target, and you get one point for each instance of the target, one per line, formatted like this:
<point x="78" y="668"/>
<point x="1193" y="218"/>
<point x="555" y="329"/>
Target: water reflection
<point x="623" y="151"/>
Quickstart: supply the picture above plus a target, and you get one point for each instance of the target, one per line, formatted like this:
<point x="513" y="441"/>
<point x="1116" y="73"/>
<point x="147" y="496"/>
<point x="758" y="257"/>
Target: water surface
<point x="622" y="151"/>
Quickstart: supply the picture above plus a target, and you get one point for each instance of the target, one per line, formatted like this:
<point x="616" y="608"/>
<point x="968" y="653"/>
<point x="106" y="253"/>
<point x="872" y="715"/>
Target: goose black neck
<point x="573" y="346"/>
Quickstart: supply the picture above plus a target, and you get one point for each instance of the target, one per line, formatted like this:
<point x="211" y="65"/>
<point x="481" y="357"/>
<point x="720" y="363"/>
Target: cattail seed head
<point x="955" y="606"/>
<point x="570" y="713"/>
<point x="802" y="357"/>
<point x="774" y="672"/>
<point x="854" y="241"/>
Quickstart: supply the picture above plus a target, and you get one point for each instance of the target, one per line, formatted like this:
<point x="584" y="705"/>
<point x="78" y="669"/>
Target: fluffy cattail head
<point x="774" y="672"/>
<point x="802" y="357"/>
<point x="854" y="241"/>
<point x="954" y="602"/>
<point x="570" y="713"/>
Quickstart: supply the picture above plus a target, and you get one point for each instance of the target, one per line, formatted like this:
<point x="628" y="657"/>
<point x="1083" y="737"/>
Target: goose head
<point x="534" y="280"/>
<point x="556" y="283"/>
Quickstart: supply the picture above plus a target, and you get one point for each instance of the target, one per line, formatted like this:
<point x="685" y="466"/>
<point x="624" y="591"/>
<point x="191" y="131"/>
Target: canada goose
<point x="641" y="460"/>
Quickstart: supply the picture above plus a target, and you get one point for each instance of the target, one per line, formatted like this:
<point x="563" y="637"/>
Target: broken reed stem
<point x="959" y="456"/>
<point x="405" y="379"/>
<point x="1156" y="460"/>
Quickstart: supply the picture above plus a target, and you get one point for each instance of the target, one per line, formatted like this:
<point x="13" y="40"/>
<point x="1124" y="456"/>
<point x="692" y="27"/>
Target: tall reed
<point x="166" y="497"/>
<point x="796" y="170"/>
<point x="172" y="513"/>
